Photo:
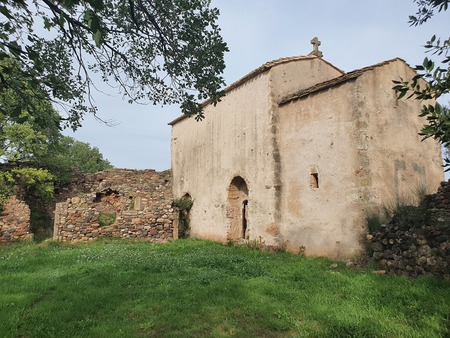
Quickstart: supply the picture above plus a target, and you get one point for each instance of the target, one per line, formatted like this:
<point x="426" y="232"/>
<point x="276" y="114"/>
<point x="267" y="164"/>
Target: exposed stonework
<point x="118" y="203"/>
<point x="15" y="220"/>
<point x="417" y="240"/>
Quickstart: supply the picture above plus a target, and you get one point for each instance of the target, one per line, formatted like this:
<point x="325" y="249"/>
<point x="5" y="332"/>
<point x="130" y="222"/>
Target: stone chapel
<point x="299" y="153"/>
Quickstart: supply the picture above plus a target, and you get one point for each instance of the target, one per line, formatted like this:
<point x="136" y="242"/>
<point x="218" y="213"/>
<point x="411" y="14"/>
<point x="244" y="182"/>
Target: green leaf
<point x="97" y="4"/>
<point x="88" y="15"/>
<point x="5" y="12"/>
<point x="98" y="38"/>
<point x="402" y="93"/>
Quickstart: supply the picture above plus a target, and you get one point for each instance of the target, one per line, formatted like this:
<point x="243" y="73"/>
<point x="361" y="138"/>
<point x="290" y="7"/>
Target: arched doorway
<point x="237" y="209"/>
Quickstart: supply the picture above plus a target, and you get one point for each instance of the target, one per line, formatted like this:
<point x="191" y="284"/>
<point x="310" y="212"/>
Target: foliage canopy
<point x="437" y="75"/>
<point x="34" y="155"/>
<point x="160" y="51"/>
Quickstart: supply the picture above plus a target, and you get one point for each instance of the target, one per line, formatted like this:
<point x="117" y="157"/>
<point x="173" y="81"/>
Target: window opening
<point x="314" y="180"/>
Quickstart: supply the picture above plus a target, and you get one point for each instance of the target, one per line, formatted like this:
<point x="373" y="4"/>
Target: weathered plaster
<point x="317" y="150"/>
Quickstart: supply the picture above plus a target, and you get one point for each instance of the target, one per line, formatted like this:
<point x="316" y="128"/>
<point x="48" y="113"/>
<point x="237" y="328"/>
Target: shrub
<point x="106" y="219"/>
<point x="410" y="208"/>
<point x="184" y="203"/>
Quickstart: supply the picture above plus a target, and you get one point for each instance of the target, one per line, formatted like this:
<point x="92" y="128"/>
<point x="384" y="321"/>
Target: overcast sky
<point x="354" y="34"/>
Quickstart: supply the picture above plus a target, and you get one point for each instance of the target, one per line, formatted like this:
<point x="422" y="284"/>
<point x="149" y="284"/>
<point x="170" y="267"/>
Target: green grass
<point x="192" y="288"/>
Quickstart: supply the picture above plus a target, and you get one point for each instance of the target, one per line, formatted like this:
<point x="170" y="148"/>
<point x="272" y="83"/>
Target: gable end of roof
<point x="334" y="82"/>
<point x="265" y="67"/>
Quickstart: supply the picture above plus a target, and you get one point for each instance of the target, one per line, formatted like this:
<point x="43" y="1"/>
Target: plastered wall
<point x="239" y="137"/>
<point x="364" y="146"/>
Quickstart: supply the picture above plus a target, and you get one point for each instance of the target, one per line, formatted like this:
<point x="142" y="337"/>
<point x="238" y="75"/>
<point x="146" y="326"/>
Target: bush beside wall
<point x="413" y="245"/>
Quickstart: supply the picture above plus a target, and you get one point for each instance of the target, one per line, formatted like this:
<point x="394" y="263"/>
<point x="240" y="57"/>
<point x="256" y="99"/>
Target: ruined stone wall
<point x="118" y="203"/>
<point x="417" y="240"/>
<point x="15" y="220"/>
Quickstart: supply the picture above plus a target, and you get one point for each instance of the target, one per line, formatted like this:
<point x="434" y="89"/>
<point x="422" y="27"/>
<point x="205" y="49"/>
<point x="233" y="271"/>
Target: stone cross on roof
<point x="316" y="43"/>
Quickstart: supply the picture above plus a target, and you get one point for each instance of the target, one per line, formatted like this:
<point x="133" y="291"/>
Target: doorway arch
<point x="237" y="209"/>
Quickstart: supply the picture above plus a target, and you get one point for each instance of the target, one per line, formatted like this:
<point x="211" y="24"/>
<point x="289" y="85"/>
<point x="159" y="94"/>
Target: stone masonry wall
<point x="15" y="220"/>
<point x="417" y="240"/>
<point x="118" y="203"/>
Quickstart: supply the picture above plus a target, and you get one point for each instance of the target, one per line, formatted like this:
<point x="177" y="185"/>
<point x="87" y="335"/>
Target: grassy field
<point x="200" y="289"/>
